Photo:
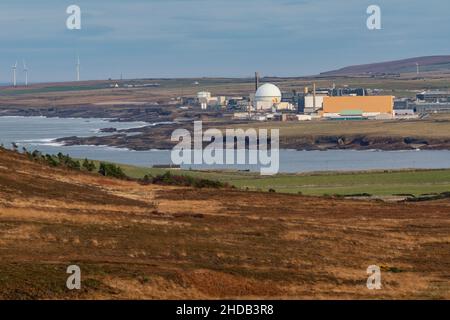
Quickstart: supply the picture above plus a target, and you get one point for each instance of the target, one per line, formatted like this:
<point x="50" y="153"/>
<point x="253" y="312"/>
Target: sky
<point x="213" y="38"/>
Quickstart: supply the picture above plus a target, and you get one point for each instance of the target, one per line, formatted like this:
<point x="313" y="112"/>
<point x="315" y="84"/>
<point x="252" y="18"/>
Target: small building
<point x="304" y="117"/>
<point x="284" y="106"/>
<point x="241" y="116"/>
<point x="288" y="117"/>
<point x="222" y="101"/>
<point x="203" y="103"/>
<point x="204" y="95"/>
<point x="259" y="117"/>
<point x="189" y="101"/>
<point x="213" y="102"/>
<point x="405" y="114"/>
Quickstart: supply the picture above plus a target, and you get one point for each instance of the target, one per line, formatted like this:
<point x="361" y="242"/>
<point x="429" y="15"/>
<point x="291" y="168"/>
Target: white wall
<point x="309" y="102"/>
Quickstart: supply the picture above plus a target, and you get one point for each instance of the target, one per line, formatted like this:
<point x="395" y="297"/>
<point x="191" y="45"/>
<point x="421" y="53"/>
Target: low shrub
<point x="111" y="170"/>
<point x="170" y="179"/>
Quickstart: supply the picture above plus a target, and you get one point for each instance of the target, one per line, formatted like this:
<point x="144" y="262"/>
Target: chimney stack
<point x="314" y="96"/>
<point x="256" y="81"/>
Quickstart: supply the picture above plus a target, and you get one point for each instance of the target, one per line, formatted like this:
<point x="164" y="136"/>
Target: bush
<point x="67" y="161"/>
<point x="147" y="179"/>
<point x="72" y="164"/>
<point x="51" y="161"/>
<point x="36" y="155"/>
<point x="180" y="180"/>
<point x="88" y="165"/>
<point x="111" y="170"/>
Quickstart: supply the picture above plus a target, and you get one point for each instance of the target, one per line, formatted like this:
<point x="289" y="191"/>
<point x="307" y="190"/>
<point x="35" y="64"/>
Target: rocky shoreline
<point x="158" y="137"/>
<point x="148" y="138"/>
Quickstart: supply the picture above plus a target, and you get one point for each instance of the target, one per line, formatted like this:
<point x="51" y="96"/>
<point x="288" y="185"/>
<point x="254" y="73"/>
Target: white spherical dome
<point x="268" y="92"/>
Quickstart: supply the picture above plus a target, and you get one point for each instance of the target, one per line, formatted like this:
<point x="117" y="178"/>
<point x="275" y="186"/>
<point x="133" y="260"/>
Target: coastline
<point x="148" y="138"/>
<point x="156" y="134"/>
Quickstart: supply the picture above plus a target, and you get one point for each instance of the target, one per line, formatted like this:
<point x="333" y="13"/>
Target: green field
<point x="374" y="183"/>
<point x="377" y="183"/>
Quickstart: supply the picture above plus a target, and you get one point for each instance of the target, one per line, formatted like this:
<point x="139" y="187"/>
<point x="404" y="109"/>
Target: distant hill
<point x="427" y="64"/>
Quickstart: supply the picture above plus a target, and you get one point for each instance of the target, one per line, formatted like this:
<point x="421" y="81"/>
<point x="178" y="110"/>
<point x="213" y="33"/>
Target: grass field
<point x="377" y="183"/>
<point x="88" y="92"/>
<point x="51" y="89"/>
<point x="434" y="127"/>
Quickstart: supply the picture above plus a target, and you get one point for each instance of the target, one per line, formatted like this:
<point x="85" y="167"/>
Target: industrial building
<point x="268" y="103"/>
<point x="206" y="100"/>
<point x="203" y="99"/>
<point x="358" y="107"/>
<point x="313" y="102"/>
<point x="339" y="92"/>
<point x="425" y="107"/>
<point x="269" y="99"/>
<point x="402" y="104"/>
<point x="434" y="96"/>
<point x="426" y="102"/>
<point x="267" y="96"/>
<point x="432" y="102"/>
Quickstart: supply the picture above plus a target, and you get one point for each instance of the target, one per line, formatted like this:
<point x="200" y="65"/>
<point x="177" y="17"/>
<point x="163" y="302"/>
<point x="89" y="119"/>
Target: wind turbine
<point x="14" y="68"/>
<point x="418" y="69"/>
<point x="25" y="69"/>
<point x="78" y="68"/>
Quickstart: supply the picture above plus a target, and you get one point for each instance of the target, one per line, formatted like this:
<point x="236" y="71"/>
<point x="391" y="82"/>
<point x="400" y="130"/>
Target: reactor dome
<point x="268" y="93"/>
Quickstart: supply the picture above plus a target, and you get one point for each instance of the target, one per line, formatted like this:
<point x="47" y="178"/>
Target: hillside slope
<point x="154" y="242"/>
<point x="431" y="63"/>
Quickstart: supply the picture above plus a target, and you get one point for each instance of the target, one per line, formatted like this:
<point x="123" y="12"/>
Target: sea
<point x="39" y="133"/>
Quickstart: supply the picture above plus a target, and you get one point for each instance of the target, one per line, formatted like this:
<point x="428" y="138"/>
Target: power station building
<point x="269" y="100"/>
<point x="267" y="96"/>
<point x="358" y="107"/>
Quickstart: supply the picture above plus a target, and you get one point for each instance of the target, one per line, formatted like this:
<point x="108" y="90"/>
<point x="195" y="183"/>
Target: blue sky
<point x="232" y="38"/>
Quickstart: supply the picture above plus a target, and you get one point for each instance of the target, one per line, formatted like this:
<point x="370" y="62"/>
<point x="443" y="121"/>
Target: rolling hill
<point x="427" y="64"/>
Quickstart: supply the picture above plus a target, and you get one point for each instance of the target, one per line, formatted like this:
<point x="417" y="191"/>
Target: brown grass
<point x="153" y="242"/>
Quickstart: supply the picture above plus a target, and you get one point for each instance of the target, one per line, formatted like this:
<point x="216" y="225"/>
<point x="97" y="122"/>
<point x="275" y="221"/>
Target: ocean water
<point x="38" y="133"/>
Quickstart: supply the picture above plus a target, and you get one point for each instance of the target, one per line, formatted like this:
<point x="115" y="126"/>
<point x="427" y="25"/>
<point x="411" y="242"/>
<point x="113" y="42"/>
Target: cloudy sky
<point x="233" y="38"/>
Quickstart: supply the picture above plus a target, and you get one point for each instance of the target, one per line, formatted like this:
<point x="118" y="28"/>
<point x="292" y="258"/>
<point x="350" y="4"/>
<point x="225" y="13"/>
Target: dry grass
<point x="149" y="242"/>
<point x="435" y="127"/>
